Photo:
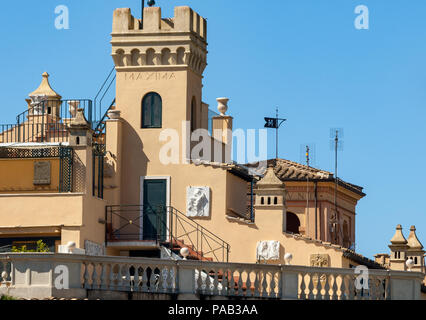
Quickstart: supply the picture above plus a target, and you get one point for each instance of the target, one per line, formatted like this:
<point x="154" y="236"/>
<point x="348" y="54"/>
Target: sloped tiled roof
<point x="287" y="170"/>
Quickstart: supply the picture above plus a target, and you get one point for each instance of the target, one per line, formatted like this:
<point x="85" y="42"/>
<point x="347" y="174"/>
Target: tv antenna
<point x="336" y="143"/>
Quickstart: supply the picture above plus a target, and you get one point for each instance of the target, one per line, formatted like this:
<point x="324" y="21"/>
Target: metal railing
<point x="166" y="226"/>
<point x="45" y="121"/>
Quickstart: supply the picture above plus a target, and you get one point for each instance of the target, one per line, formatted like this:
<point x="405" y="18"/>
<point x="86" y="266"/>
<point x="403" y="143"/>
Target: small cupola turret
<point x="44" y="100"/>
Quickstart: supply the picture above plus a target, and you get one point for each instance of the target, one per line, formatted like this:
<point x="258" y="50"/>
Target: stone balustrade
<point x="32" y="275"/>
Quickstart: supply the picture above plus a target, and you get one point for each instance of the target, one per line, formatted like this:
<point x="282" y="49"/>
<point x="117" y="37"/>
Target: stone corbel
<point x="128" y="59"/>
<point x="143" y="59"/>
<point x="157" y="58"/>
<point x="173" y="58"/>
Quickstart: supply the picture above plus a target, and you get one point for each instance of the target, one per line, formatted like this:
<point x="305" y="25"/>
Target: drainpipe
<point x="251" y="201"/>
<point x="316" y="214"/>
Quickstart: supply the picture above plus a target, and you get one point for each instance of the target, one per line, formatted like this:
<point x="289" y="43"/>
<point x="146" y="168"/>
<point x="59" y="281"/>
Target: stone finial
<point x="222" y="106"/>
<point x="413" y="242"/>
<point x="45" y="89"/>
<point x="79" y="121"/>
<point x="270" y="178"/>
<point x="398" y="237"/>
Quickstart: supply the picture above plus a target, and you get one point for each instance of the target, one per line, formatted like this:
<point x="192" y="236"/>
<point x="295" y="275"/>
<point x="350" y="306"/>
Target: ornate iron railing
<point x="45" y="121"/>
<point x="166" y="226"/>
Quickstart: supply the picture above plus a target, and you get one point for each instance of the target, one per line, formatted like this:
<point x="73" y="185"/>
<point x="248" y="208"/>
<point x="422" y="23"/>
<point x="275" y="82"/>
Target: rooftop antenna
<point x="307" y="154"/>
<point x="307" y="191"/>
<point x="337" y="144"/>
<point x="150" y="3"/>
<point x="275" y="123"/>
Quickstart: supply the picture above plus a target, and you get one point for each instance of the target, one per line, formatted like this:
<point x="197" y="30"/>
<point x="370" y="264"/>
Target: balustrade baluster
<point x="94" y="277"/>
<point x="326" y="295"/>
<point x="127" y="282"/>
<point x="199" y="282"/>
<point x="272" y="286"/>
<point x="225" y="282"/>
<point x="240" y="283"/>
<point x="334" y="288"/>
<point x="216" y="283"/>
<point x="112" y="282"/>
<point x="343" y="295"/>
<point x="232" y="283"/>
<point x="144" y="279"/>
<point x="249" y="293"/>
<point x="119" y="277"/>
<point x="104" y="285"/>
<point x="303" y="295"/>
<point x="311" y="286"/>
<point x="264" y="285"/>
<point x="86" y="275"/>
<point x="256" y="284"/>
<point x="136" y="278"/>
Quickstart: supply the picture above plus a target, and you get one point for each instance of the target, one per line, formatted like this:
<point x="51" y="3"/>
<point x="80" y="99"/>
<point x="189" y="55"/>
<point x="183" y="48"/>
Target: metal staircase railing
<point x="165" y="226"/>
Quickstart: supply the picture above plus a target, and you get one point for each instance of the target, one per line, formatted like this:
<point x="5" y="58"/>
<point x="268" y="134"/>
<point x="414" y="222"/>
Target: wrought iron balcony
<point x="165" y="226"/>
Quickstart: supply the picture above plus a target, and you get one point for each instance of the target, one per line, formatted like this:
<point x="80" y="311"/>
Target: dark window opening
<point x="152" y="108"/>
<point x="293" y="223"/>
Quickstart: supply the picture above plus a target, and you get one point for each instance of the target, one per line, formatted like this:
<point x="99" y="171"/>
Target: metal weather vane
<point x="275" y="123"/>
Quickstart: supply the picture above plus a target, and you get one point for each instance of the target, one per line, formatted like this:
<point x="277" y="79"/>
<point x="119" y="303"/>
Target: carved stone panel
<point x="41" y="173"/>
<point x="198" y="202"/>
<point x="94" y="249"/>
<point x="268" y="250"/>
<point x="320" y="260"/>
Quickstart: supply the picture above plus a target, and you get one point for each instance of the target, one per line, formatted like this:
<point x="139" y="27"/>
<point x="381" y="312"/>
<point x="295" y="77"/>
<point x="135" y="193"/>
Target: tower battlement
<point x="185" y="20"/>
<point x="179" y="41"/>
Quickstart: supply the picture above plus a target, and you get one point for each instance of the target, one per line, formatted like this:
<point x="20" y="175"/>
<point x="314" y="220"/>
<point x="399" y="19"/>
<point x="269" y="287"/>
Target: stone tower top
<point x="161" y="43"/>
<point x="413" y="242"/>
<point x="398" y="237"/>
<point x="45" y="89"/>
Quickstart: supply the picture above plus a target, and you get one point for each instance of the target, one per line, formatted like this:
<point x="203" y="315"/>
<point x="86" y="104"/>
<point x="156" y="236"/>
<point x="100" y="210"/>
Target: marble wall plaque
<point x="41" y="173"/>
<point x="198" y="202"/>
<point x="268" y="250"/>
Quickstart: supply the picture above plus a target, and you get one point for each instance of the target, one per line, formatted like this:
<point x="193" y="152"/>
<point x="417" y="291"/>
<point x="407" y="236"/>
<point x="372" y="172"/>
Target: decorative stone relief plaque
<point x="94" y="249"/>
<point x="320" y="260"/>
<point x="41" y="173"/>
<point x="198" y="202"/>
<point x="268" y="250"/>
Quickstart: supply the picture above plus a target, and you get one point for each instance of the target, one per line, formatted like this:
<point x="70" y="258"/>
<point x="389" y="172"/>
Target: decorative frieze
<point x="268" y="250"/>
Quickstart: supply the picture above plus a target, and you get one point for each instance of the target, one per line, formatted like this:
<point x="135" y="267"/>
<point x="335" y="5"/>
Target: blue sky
<point x="304" y="56"/>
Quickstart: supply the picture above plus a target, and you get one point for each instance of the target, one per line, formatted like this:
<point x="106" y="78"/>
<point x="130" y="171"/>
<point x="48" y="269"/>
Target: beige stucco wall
<point x="17" y="175"/>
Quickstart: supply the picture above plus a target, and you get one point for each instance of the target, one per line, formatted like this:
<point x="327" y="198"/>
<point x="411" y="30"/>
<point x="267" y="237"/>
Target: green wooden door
<point x="154" y="204"/>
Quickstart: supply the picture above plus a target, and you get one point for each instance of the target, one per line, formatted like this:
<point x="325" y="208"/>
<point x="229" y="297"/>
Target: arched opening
<point x="150" y="53"/>
<point x="165" y="57"/>
<point x="180" y="55"/>
<point x="135" y="54"/>
<point x="262" y="200"/>
<point x="152" y="109"/>
<point x="293" y="223"/>
<point x="119" y="57"/>
<point x="275" y="200"/>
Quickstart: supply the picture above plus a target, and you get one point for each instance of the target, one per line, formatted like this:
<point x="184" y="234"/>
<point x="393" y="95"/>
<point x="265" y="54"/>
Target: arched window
<point x="293" y="223"/>
<point x="152" y="108"/>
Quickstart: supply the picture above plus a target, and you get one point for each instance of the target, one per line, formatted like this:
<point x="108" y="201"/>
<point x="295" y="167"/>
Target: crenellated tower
<point x="159" y="86"/>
